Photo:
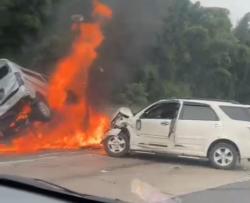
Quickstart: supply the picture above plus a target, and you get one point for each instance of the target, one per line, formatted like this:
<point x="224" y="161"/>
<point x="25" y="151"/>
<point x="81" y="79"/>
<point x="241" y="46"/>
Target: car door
<point x="197" y="123"/>
<point x="154" y="125"/>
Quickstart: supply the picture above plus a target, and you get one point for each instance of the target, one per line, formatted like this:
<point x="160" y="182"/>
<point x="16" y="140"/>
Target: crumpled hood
<point x="123" y="111"/>
<point x="121" y="117"/>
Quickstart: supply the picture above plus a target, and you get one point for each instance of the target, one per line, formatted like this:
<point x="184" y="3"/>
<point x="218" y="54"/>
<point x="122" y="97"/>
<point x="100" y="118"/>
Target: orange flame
<point x="102" y="10"/>
<point x="22" y="115"/>
<point x="74" y="125"/>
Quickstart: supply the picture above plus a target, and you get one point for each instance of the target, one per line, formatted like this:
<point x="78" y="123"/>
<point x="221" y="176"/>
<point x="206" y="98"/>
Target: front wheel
<point x="223" y="156"/>
<point x="117" y="145"/>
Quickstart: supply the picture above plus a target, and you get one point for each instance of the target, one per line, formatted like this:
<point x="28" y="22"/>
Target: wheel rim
<point x="223" y="156"/>
<point x="44" y="109"/>
<point x="116" y="144"/>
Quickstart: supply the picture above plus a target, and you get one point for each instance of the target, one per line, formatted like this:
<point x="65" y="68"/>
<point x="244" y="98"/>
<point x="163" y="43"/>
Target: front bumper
<point x="111" y="132"/>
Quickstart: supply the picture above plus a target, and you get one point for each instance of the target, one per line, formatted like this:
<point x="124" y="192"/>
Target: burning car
<point x="214" y="130"/>
<point x="22" y="97"/>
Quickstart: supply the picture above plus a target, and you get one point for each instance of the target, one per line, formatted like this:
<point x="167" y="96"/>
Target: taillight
<point x="19" y="79"/>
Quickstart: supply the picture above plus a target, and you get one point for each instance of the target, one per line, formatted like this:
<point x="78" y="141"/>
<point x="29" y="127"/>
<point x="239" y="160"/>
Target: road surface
<point x="133" y="179"/>
<point x="232" y="193"/>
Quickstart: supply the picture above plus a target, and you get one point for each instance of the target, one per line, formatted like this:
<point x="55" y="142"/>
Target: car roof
<point x="3" y="61"/>
<point x="210" y="102"/>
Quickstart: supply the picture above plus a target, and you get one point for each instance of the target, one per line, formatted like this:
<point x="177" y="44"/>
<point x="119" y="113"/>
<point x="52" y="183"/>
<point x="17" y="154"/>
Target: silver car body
<point x="17" y="83"/>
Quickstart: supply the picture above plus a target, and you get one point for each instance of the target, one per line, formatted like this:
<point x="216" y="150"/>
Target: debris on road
<point x="148" y="193"/>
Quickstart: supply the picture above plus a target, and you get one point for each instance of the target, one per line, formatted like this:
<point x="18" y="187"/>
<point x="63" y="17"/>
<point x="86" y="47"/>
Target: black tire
<point x="228" y="163"/>
<point x="124" y="152"/>
<point x="41" y="111"/>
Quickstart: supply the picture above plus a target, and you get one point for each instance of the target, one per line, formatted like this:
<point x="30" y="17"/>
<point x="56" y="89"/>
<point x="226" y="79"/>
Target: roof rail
<point x="211" y="99"/>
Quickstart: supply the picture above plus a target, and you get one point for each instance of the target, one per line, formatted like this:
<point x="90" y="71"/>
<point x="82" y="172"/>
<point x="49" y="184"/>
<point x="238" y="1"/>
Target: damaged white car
<point x="216" y="130"/>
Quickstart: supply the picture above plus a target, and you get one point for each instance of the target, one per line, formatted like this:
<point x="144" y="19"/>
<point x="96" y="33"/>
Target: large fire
<point x="76" y="123"/>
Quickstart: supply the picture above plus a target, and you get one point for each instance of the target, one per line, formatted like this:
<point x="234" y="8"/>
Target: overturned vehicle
<point x="22" y="98"/>
<point x="214" y="130"/>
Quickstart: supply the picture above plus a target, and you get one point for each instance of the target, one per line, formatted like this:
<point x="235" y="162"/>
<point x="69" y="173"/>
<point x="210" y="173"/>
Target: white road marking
<point x="25" y="160"/>
<point x="68" y="153"/>
<point x="104" y="171"/>
<point x="46" y="156"/>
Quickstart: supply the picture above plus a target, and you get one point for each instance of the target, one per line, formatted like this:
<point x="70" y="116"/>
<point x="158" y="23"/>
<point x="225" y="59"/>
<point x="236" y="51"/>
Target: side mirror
<point x="138" y="124"/>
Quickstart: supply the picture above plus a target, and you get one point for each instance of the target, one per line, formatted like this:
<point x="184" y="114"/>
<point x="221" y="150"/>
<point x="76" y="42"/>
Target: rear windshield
<point x="3" y="71"/>
<point x="237" y="113"/>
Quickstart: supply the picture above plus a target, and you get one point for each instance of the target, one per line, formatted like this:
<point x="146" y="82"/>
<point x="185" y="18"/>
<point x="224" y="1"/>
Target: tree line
<point x="196" y="52"/>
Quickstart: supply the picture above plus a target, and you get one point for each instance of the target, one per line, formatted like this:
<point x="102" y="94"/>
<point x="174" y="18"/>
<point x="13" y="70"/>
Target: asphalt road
<point x="232" y="193"/>
<point x="134" y="179"/>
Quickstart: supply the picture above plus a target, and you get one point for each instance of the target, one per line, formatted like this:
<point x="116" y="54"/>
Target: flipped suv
<point x="215" y="130"/>
<point x="21" y="90"/>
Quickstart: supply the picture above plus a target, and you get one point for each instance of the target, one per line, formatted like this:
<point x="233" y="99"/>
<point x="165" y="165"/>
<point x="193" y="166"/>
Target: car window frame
<point x="158" y="104"/>
<point x="217" y="118"/>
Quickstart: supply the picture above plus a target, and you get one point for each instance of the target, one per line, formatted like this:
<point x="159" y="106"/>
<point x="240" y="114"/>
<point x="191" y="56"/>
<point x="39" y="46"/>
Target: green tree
<point x="242" y="31"/>
<point x="20" y="22"/>
<point x="195" y="50"/>
<point x="133" y="94"/>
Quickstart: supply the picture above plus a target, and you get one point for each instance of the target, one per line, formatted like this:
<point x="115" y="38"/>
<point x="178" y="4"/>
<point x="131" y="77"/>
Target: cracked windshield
<point x="125" y="101"/>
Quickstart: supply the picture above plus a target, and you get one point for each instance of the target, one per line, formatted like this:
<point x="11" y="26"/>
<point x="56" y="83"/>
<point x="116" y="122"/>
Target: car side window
<point x="162" y="111"/>
<point x="198" y="112"/>
<point x="237" y="113"/>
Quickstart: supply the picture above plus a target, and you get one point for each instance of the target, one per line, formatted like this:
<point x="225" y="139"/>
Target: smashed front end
<point x="121" y="117"/>
<point x="119" y="121"/>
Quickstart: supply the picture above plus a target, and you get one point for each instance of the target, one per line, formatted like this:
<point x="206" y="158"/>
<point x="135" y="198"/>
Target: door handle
<point x="218" y="125"/>
<point x="165" y="123"/>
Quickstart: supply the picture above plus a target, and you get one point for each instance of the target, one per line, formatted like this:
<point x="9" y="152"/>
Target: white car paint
<point x="187" y="137"/>
<point x="13" y="91"/>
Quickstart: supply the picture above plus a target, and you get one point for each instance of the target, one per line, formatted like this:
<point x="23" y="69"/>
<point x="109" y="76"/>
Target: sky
<point x="238" y="8"/>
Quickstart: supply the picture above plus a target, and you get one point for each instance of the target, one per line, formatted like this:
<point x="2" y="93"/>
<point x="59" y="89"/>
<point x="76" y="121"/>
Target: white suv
<point x="217" y="130"/>
<point x="19" y="87"/>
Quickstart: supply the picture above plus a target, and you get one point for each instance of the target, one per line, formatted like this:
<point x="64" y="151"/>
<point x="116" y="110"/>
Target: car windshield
<point x="183" y="67"/>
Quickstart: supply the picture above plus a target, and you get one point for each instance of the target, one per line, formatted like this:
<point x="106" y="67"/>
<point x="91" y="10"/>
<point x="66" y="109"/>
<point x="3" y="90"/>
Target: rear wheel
<point x="223" y="156"/>
<point x="117" y="145"/>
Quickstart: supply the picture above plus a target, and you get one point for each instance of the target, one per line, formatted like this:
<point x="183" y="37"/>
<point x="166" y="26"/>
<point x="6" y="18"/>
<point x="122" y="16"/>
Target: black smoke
<point x="129" y="36"/>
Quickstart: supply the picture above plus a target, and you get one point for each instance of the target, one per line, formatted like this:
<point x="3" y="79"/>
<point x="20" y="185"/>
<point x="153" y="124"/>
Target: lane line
<point x="47" y="156"/>
<point x="25" y="160"/>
